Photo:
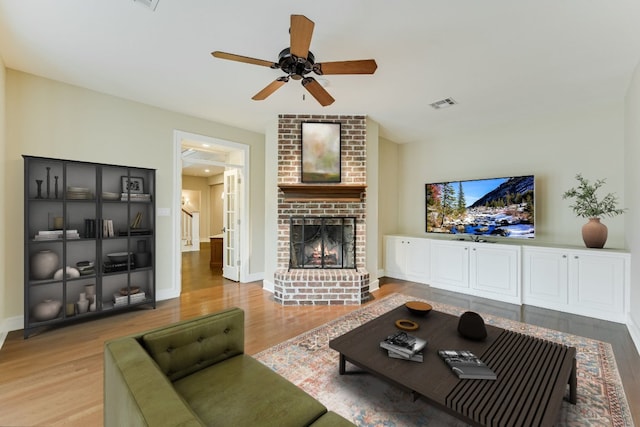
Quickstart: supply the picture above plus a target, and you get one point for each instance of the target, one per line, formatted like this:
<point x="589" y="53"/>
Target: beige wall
<point x="52" y="119"/>
<point x="200" y="185"/>
<point x="388" y="193"/>
<point x="632" y="183"/>
<point x="554" y="149"/>
<point x="6" y="245"/>
<point x="215" y="221"/>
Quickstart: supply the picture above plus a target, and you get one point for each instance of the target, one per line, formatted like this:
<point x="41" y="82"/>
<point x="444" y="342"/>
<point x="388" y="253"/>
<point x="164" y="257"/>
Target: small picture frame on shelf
<point x="133" y="184"/>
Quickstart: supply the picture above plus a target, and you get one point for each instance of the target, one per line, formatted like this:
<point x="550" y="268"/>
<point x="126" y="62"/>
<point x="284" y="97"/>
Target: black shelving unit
<point x="87" y="214"/>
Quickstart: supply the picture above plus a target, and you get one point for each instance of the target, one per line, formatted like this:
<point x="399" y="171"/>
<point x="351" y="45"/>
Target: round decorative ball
<point x="46" y="310"/>
<point x="471" y="326"/>
<point x="43" y="264"/>
<point x="70" y="271"/>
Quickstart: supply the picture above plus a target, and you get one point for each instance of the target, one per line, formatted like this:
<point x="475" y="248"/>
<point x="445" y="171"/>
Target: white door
<point x="231" y="225"/>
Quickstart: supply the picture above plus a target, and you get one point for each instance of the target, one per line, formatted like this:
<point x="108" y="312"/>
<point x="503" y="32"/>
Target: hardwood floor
<point x="55" y="377"/>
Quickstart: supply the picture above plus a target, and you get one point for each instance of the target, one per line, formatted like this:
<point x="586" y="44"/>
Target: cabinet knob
<point x="564" y="256"/>
<point x="576" y="256"/>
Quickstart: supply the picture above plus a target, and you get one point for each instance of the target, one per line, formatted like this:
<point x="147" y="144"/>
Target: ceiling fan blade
<point x="317" y="91"/>
<point x="270" y="88"/>
<point x="245" y="59"/>
<point x="300" y="32"/>
<point x="363" y="66"/>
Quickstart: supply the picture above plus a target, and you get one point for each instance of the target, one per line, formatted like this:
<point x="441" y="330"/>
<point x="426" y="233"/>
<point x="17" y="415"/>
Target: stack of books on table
<point x="55" y="234"/>
<point x="135" y="197"/>
<point x="401" y="345"/>
<point x="466" y="365"/>
<point x="122" y="300"/>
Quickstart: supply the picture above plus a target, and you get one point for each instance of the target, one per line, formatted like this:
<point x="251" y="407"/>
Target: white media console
<point x="588" y="282"/>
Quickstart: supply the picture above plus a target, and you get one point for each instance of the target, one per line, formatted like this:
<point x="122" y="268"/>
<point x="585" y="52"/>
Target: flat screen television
<point x="502" y="207"/>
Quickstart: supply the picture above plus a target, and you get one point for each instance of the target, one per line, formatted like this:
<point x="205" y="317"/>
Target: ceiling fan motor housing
<point x="295" y="67"/>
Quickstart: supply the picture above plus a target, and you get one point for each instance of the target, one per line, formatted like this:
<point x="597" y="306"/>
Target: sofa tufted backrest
<point x="188" y="346"/>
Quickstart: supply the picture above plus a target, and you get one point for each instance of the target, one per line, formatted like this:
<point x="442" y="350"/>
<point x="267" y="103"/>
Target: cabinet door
<point x="495" y="269"/>
<point x="407" y="258"/>
<point x="545" y="278"/>
<point x="417" y="259"/>
<point x="394" y="259"/>
<point x="597" y="283"/>
<point x="449" y="264"/>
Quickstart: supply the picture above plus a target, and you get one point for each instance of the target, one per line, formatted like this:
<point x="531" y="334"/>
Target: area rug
<point x="308" y="362"/>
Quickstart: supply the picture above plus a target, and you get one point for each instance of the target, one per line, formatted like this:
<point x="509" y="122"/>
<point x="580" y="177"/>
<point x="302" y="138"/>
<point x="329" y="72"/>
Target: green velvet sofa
<point x="195" y="373"/>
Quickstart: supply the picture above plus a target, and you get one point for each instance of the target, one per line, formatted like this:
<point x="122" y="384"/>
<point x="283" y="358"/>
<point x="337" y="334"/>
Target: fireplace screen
<point x="322" y="242"/>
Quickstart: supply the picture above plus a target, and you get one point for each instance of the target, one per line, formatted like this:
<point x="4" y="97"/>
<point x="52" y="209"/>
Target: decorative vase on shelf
<point x="594" y="233"/>
<point x="46" y="310"/>
<point x="142" y="257"/>
<point x="83" y="303"/>
<point x="90" y="291"/>
<point x="43" y="264"/>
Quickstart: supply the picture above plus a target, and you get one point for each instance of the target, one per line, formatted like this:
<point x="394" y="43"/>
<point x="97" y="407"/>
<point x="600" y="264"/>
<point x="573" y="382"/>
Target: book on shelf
<point x="403" y="344"/>
<point x="467" y="365"/>
<point x="120" y="300"/>
<point x="112" y="267"/>
<point x="107" y="228"/>
<point x="136" y="232"/>
<point x="135" y="197"/>
<point x="55" y="234"/>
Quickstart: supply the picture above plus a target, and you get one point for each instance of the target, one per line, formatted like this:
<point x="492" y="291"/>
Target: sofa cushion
<point x="192" y="345"/>
<point x="243" y="392"/>
<point x="136" y="393"/>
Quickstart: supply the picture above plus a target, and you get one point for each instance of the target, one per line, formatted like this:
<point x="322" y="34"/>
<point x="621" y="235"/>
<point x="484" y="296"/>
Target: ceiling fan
<point x="297" y="62"/>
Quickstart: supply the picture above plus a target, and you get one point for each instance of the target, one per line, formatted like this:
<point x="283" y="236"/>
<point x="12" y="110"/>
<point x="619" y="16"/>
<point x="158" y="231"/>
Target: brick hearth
<point x="321" y="286"/>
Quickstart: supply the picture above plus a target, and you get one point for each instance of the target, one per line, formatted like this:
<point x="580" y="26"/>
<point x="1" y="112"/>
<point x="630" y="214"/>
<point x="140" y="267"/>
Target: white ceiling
<point x="204" y="160"/>
<point x="501" y="60"/>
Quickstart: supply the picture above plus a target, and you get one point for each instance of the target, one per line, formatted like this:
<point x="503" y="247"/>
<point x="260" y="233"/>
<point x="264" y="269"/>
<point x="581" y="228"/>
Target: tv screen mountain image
<point x="502" y="207"/>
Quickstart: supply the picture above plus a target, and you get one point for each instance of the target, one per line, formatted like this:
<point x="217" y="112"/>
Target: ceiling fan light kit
<point x="297" y="62"/>
<point x="151" y="4"/>
<point x="443" y="103"/>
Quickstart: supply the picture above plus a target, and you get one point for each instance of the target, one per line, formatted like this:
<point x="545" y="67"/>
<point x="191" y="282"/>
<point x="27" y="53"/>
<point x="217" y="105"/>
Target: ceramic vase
<point x="594" y="233"/>
<point x="46" y="310"/>
<point x="43" y="264"/>
<point x="90" y="291"/>
<point x="83" y="303"/>
<point x="142" y="257"/>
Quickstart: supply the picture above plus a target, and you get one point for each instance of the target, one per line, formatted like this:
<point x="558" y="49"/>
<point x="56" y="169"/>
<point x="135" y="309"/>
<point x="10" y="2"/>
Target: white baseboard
<point x="268" y="285"/>
<point x="634" y="331"/>
<point x="10" y="324"/>
<point x="167" y="294"/>
<point x="374" y="285"/>
<point x="254" y="277"/>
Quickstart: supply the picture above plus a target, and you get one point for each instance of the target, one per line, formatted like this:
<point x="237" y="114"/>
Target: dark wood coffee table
<point x="533" y="374"/>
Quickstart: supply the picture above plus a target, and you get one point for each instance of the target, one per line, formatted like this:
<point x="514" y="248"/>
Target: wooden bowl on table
<point x="418" y="308"/>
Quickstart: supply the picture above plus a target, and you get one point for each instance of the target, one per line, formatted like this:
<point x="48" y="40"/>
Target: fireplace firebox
<point x="322" y="242"/>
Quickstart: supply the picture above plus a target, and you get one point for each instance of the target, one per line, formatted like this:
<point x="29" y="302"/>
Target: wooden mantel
<point x="329" y="192"/>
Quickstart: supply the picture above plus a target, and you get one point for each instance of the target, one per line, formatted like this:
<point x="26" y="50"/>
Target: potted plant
<point x="588" y="205"/>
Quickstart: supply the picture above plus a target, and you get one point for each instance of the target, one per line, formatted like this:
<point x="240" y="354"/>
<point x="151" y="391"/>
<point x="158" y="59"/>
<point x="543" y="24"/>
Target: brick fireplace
<point x="319" y="275"/>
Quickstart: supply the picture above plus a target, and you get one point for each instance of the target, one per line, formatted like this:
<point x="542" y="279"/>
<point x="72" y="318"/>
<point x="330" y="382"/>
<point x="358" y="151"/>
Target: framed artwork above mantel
<point x="321" y="152"/>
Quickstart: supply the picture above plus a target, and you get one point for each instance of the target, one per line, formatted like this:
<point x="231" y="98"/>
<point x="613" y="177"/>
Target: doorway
<point x="205" y="161"/>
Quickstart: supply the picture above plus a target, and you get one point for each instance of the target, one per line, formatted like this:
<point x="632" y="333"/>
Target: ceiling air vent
<point x="443" y="103"/>
<point x="151" y="4"/>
